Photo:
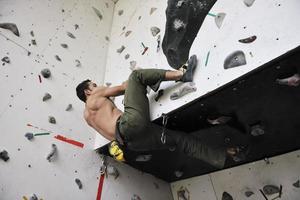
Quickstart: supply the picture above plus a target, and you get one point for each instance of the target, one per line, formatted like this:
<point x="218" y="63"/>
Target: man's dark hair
<point x="80" y="89"/>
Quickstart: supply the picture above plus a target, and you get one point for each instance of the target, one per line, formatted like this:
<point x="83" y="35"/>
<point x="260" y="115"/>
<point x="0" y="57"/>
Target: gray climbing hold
<point x="33" y="42"/>
<point x="4" y="155"/>
<point x="290" y="81"/>
<point x="178" y="24"/>
<point x="152" y="10"/>
<point x="249" y="2"/>
<point x="154" y="30"/>
<point x="271" y="189"/>
<point x="98" y="13"/>
<point x="31" y="33"/>
<point x="143" y="158"/>
<point x="297" y="184"/>
<point x="76" y="26"/>
<point x="127" y="33"/>
<point x="108" y="84"/>
<point x="111" y="170"/>
<point x="78" y="63"/>
<point x="235" y="59"/>
<point x="219" y="19"/>
<point x="179" y="3"/>
<point x="29" y="136"/>
<point x="226" y="196"/>
<point x="132" y="65"/>
<point x="257" y="130"/>
<point x="64" y="46"/>
<point x="120" y="12"/>
<point x="248" y="39"/>
<point x="186" y="88"/>
<point x="219" y="120"/>
<point x="52" y="153"/>
<point x="57" y="58"/>
<point x="135" y="197"/>
<point x="127" y="56"/>
<point x="46" y="73"/>
<point x="46" y="97"/>
<point x="5" y="60"/>
<point x="52" y="120"/>
<point x="106" y="38"/>
<point x="249" y="193"/>
<point x="183" y="193"/>
<point x="121" y="49"/>
<point x="69" y="107"/>
<point x="71" y="35"/>
<point x="34" y="197"/>
<point x="178" y="173"/>
<point x="11" y="27"/>
<point x="78" y="182"/>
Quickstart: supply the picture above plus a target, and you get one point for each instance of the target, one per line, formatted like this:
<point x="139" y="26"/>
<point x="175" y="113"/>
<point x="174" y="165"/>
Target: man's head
<point x="84" y="89"/>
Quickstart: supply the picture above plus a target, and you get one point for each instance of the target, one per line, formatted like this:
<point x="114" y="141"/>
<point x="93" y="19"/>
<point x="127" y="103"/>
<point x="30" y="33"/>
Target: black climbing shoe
<point x="191" y="66"/>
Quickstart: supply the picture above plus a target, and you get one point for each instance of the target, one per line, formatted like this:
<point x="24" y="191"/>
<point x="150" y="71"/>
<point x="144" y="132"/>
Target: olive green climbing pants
<point x="138" y="133"/>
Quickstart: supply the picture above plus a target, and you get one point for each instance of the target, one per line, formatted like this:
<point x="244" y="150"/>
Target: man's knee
<point x="136" y="74"/>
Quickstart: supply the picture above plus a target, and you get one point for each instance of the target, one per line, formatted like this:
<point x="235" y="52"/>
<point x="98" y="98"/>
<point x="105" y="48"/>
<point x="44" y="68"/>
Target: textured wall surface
<point x="44" y="42"/>
<point x="251" y="178"/>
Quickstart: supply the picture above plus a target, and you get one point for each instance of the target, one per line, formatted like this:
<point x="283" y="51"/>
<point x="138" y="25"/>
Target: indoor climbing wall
<point x="236" y="37"/>
<point x="46" y="148"/>
<point x="271" y="178"/>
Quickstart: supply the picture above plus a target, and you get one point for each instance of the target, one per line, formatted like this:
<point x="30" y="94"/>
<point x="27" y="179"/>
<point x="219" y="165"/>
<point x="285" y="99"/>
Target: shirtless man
<point x="133" y="128"/>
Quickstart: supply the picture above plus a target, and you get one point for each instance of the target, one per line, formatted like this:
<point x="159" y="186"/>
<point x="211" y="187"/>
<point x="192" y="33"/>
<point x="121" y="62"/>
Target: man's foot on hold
<point x="238" y="154"/>
<point x="191" y="66"/>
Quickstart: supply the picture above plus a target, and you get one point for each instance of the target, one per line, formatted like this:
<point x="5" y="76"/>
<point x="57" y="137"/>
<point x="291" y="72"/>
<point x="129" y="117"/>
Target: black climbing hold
<point x="248" y="40"/>
<point x="249" y="2"/>
<point x="271" y="189"/>
<point x="52" y="120"/>
<point x="71" y="35"/>
<point x="78" y="182"/>
<point x="52" y="153"/>
<point x="143" y="158"/>
<point x="235" y="59"/>
<point x="120" y="12"/>
<point x="159" y="94"/>
<point x="33" y="42"/>
<point x="12" y="27"/>
<point x="297" y="184"/>
<point x="69" y="107"/>
<point x="64" y="46"/>
<point x="226" y="196"/>
<point x="46" y="97"/>
<point x="34" y="197"/>
<point x="127" y="33"/>
<point x="127" y="56"/>
<point x="5" y="60"/>
<point x="219" y="19"/>
<point x="29" y="136"/>
<point x="57" y="58"/>
<point x="31" y="33"/>
<point x="98" y="13"/>
<point x="46" y="73"/>
<point x="249" y="193"/>
<point x="4" y="155"/>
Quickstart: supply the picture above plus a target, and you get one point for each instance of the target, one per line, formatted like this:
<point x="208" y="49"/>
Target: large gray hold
<point x="46" y="97"/>
<point x="121" y="49"/>
<point x="226" y="196"/>
<point x="154" y="30"/>
<point x="52" y="120"/>
<point x="46" y="73"/>
<point x="271" y="189"/>
<point x="52" y="153"/>
<point x="235" y="59"/>
<point x="249" y="193"/>
<point x="29" y="136"/>
<point x="249" y="2"/>
<point x="12" y="27"/>
<point x="98" y="13"/>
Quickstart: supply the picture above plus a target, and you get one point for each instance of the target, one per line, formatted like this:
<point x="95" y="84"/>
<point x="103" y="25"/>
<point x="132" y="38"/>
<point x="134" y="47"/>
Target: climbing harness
<point x="164" y="122"/>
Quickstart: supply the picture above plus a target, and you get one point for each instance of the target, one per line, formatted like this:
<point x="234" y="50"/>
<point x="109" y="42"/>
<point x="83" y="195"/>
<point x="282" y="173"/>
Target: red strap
<point x="100" y="187"/>
<point x="62" y="138"/>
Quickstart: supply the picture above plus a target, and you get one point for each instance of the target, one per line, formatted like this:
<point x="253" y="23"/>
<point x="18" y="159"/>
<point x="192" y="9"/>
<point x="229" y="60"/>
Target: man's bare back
<point x="100" y="112"/>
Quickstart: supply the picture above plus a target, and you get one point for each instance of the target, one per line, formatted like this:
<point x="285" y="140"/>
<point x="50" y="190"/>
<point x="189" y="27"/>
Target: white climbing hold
<point x="78" y="63"/>
<point x="120" y="12"/>
<point x="183" y="90"/>
<point x="98" y="13"/>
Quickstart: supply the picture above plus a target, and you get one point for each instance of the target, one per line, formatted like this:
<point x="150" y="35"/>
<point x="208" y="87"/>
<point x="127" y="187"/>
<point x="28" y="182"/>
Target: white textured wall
<point x="281" y="170"/>
<point x="28" y="171"/>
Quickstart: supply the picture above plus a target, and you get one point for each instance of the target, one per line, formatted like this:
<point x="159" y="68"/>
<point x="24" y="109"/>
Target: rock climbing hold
<point x="159" y="94"/>
<point x="71" y="35"/>
<point x="4" y="155"/>
<point x="5" y="60"/>
<point x="154" y="30"/>
<point x="235" y="59"/>
<point x="64" y="46"/>
<point x="249" y="193"/>
<point x="98" y="13"/>
<point x="127" y="56"/>
<point x="47" y="96"/>
<point x="290" y="81"/>
<point x="78" y="182"/>
<point x="34" y="197"/>
<point x="120" y="12"/>
<point x="183" y="193"/>
<point x="297" y="184"/>
<point x="76" y="26"/>
<point x="127" y="33"/>
<point x="33" y="42"/>
<point x="186" y="88"/>
<point x="178" y="24"/>
<point x="249" y="2"/>
<point x="143" y="158"/>
<point x="52" y="153"/>
<point x="219" y="19"/>
<point x="152" y="10"/>
<point x="121" y="49"/>
<point x="219" y="120"/>
<point x="52" y="120"/>
<point x="69" y="107"/>
<point x="248" y="39"/>
<point x="271" y="189"/>
<point x="257" y="130"/>
<point x="111" y="170"/>
<point x="106" y="38"/>
<point x="179" y="3"/>
<point x="226" y="196"/>
<point x="57" y="58"/>
<point x="11" y="27"/>
<point x="32" y="33"/>
<point x="46" y="73"/>
<point x="178" y="173"/>
<point x="136" y="197"/>
<point x="78" y="63"/>
<point x="29" y="136"/>
<point x="132" y="65"/>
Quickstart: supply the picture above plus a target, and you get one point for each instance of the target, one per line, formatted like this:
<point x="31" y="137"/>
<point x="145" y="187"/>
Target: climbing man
<point x="133" y="128"/>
